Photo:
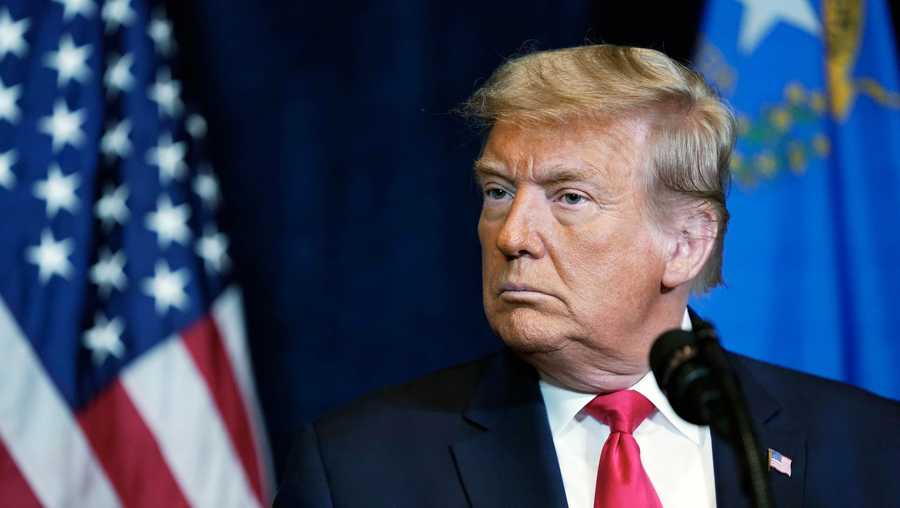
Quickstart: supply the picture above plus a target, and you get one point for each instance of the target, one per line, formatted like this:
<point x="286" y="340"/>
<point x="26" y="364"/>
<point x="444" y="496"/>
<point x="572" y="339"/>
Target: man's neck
<point x="583" y="368"/>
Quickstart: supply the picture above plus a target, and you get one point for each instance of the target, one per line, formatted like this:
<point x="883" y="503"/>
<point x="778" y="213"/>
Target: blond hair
<point x="691" y="129"/>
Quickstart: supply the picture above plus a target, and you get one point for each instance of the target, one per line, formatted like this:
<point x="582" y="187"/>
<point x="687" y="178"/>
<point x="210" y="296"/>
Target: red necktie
<point x="621" y="479"/>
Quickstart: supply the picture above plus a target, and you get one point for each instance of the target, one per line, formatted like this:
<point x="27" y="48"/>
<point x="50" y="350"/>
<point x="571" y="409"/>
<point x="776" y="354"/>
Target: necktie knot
<point x="623" y="411"/>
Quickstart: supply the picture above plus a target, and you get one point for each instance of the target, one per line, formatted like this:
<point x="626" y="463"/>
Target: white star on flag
<point x="167" y="287"/>
<point x="70" y="61"/>
<point x="58" y="191"/>
<point x="109" y="272"/>
<point x="72" y="8"/>
<point x="160" y="31"/>
<point x="196" y="126"/>
<point x="760" y="16"/>
<point x="8" y="97"/>
<point x="116" y="13"/>
<point x="7" y="177"/>
<point x="207" y="187"/>
<point x="118" y="77"/>
<point x="63" y="126"/>
<point x="12" y="35"/>
<point x="213" y="248"/>
<point x="104" y="339"/>
<point x="115" y="142"/>
<point x="51" y="257"/>
<point x="169" y="156"/>
<point x="111" y="208"/>
<point x="169" y="222"/>
<point x="166" y="93"/>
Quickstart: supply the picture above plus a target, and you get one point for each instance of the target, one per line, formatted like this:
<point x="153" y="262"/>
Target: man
<point x="604" y="176"/>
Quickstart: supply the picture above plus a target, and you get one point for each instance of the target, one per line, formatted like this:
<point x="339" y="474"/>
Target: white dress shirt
<point x="676" y="455"/>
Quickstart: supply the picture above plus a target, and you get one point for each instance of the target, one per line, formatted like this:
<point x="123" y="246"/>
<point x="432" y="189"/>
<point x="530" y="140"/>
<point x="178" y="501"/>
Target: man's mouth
<point x="511" y="286"/>
<point x="515" y="291"/>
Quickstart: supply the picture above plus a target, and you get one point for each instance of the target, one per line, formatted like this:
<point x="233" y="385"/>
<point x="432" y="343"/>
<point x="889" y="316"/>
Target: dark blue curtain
<point x="347" y="181"/>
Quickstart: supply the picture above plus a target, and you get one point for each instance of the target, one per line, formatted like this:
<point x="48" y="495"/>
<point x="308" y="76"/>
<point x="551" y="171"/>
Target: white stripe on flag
<point x="40" y="431"/>
<point x="228" y="314"/>
<point x="173" y="399"/>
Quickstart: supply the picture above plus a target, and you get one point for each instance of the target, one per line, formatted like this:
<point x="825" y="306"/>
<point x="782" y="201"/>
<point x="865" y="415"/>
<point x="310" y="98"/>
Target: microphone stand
<point x="741" y="434"/>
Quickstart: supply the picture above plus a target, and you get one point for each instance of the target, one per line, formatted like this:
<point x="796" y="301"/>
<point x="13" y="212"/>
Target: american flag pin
<point x="779" y="462"/>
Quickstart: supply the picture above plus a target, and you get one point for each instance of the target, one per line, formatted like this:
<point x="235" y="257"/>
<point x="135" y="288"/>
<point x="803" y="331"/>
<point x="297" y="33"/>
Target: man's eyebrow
<point x="483" y="168"/>
<point x="554" y="175"/>
<point x="563" y="174"/>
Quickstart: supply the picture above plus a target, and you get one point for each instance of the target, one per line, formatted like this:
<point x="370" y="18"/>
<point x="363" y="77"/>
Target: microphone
<point x="686" y="370"/>
<point x="693" y="372"/>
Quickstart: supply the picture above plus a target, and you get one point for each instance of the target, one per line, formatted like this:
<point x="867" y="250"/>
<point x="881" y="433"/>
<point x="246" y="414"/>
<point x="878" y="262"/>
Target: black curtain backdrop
<point x="347" y="180"/>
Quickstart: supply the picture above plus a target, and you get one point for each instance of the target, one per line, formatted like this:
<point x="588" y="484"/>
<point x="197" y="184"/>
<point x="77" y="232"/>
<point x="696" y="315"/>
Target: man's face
<point x="570" y="266"/>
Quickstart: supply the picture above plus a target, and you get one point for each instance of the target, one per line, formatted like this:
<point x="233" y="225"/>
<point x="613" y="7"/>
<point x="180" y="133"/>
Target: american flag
<point x="124" y="373"/>
<point x="779" y="462"/>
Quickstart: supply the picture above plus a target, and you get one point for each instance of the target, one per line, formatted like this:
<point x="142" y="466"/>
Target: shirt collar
<point x="648" y="387"/>
<point x="564" y="405"/>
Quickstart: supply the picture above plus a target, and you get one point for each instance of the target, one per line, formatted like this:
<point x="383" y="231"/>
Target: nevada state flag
<point x="812" y="255"/>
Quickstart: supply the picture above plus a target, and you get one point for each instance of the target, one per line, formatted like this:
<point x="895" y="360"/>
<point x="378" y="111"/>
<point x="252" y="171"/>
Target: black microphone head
<point x="684" y="374"/>
<point x="670" y="350"/>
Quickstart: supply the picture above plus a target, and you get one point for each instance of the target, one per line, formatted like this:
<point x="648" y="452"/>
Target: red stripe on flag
<point x="15" y="488"/>
<point x="202" y="339"/>
<point x="126" y="448"/>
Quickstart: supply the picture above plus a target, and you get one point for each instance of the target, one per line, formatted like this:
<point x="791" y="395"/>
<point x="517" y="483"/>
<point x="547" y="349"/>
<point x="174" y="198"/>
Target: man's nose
<point x="520" y="234"/>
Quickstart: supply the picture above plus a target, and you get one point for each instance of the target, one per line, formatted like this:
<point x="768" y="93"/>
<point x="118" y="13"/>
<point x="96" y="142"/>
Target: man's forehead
<point x="578" y="150"/>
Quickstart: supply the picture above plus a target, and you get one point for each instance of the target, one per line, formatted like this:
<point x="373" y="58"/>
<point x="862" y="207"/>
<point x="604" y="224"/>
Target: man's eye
<point x="571" y="198"/>
<point x="495" y="193"/>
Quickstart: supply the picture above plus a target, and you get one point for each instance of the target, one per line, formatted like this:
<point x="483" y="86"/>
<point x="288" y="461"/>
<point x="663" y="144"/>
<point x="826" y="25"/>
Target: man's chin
<point x="531" y="347"/>
<point x="528" y="334"/>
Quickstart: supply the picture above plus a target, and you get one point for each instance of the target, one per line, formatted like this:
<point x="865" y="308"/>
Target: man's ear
<point x="695" y="230"/>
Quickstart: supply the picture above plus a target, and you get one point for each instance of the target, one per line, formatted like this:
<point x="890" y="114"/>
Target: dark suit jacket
<point x="477" y="435"/>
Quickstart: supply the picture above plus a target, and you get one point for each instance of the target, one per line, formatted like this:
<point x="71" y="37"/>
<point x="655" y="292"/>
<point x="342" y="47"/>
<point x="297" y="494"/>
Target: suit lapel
<point x="512" y="461"/>
<point x="776" y="431"/>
